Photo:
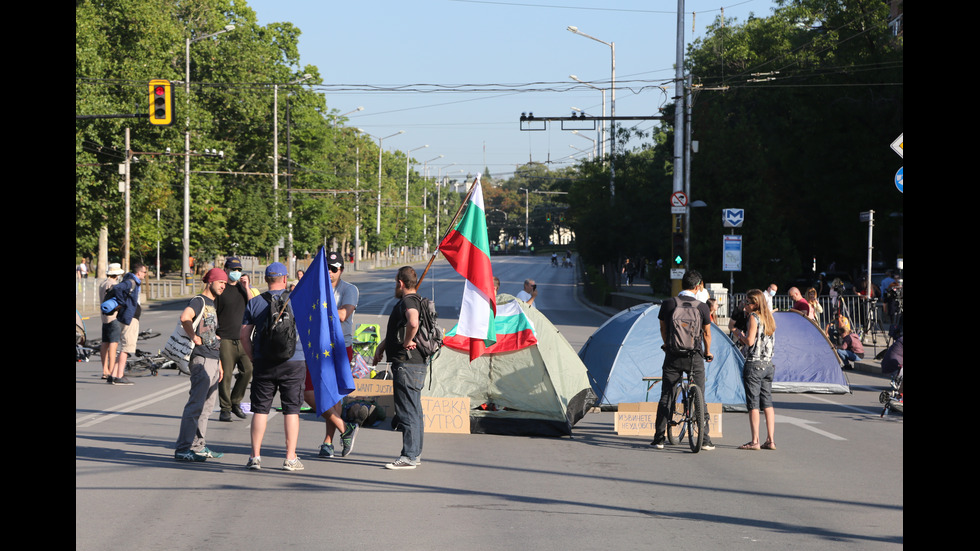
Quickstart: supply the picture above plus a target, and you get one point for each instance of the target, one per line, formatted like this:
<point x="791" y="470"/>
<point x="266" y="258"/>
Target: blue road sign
<point x="732" y="218"/>
<point x="898" y="179"/>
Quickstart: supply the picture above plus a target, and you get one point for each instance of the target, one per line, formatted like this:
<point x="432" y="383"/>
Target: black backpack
<point x="428" y="339"/>
<point x="684" y="328"/>
<point x="277" y="339"/>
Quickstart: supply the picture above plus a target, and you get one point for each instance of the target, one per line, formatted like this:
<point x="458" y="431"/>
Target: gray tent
<point x="542" y="389"/>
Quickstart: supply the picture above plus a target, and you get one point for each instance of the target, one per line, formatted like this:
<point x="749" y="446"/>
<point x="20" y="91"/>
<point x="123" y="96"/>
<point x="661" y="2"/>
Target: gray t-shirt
<point x="346" y="293"/>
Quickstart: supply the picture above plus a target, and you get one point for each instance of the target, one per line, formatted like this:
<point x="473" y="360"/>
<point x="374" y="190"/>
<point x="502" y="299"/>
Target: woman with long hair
<point x="815" y="308"/>
<point x="759" y="340"/>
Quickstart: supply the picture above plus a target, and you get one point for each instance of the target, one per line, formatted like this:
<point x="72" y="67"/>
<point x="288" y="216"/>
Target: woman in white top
<point x="759" y="338"/>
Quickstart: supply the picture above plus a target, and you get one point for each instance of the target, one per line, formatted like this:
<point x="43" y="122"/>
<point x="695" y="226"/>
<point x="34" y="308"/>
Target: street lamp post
<point x="602" y="124"/>
<point x="612" y="112"/>
<point x="408" y="159"/>
<point x="377" y="229"/>
<point x="425" y="203"/>
<point x="185" y="265"/>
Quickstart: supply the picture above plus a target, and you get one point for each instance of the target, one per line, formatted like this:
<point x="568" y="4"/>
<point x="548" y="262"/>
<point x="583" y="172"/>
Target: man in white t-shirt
<point x="529" y="293"/>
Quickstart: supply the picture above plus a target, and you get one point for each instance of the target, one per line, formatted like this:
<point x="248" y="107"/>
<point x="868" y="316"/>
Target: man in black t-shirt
<point x="200" y="322"/>
<point x="675" y="363"/>
<point x="231" y="309"/>
<point x="407" y="366"/>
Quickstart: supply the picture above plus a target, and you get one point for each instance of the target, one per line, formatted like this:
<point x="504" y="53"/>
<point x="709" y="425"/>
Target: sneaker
<point x="326" y="450"/>
<point x="108" y="379"/>
<point x="124" y="381"/>
<point x="707" y="444"/>
<point x="347" y="438"/>
<point x="237" y="410"/>
<point x="658" y="443"/>
<point x="254" y="463"/>
<point x="292" y="465"/>
<point x="225" y="416"/>
<point x="188" y="455"/>
<point x="210" y="454"/>
<point x="401" y="463"/>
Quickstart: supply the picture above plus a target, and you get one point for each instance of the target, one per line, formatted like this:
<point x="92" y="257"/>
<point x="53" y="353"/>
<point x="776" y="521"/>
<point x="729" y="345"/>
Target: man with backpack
<point x="269" y="338"/>
<point x="685" y="327"/>
<point x="127" y="292"/>
<point x="408" y="365"/>
<point x="200" y="321"/>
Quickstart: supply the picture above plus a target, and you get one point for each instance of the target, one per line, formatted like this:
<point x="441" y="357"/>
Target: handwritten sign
<point x="449" y="415"/>
<point x="372" y="387"/>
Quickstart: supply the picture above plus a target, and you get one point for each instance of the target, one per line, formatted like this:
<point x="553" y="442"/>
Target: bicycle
<point x="690" y="421"/>
<point x="142" y="361"/>
<point x="892" y="398"/>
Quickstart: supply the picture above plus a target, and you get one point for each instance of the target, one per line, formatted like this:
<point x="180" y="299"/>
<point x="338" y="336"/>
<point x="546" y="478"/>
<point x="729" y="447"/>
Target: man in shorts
<point x="345" y="294"/>
<point x="128" y="294"/>
<point x="270" y="376"/>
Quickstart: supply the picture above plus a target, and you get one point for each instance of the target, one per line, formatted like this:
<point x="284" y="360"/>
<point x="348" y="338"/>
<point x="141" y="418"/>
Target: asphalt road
<point x="834" y="483"/>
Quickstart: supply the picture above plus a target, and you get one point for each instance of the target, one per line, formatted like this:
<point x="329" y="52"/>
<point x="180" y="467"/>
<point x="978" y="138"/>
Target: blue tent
<point x="627" y="348"/>
<point x="805" y="359"/>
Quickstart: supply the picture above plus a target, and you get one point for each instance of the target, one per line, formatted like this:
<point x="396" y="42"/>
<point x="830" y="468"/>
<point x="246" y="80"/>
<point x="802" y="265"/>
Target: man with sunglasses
<point x="346" y="295"/>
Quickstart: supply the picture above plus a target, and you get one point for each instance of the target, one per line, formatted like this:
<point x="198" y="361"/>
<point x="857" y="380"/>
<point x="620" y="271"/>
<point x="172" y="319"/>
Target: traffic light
<point x="161" y="103"/>
<point x="677" y="242"/>
<point x="547" y="217"/>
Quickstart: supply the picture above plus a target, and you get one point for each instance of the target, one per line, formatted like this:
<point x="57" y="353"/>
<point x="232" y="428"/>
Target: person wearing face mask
<point x="230" y="307"/>
<point x="769" y="294"/>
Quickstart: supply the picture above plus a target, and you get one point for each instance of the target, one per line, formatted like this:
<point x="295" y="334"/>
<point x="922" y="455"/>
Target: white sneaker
<point x="401" y="463"/>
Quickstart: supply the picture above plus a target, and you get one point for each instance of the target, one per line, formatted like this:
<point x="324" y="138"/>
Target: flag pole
<point x="452" y="226"/>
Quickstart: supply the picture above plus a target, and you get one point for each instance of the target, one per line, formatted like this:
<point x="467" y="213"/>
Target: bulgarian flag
<point x="514" y="331"/>
<point x="467" y="249"/>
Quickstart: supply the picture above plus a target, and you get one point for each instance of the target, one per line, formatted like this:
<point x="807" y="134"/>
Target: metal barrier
<point x="854" y="305"/>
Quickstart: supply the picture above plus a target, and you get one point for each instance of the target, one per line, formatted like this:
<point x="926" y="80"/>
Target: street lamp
<point x="425" y="203"/>
<point x="185" y="265"/>
<point x="576" y="132"/>
<point x="408" y="158"/>
<point x="602" y="124"/>
<point x="289" y="173"/>
<point x="377" y="229"/>
<point x="612" y="111"/>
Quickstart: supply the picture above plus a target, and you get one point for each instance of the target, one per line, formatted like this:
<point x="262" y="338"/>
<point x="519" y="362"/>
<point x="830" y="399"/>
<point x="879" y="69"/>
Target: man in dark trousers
<point x="231" y="310"/>
<point x="407" y="365"/>
<point x="677" y="361"/>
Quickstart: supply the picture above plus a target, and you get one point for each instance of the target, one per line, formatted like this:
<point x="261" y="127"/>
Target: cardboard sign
<point x="640" y="419"/>
<point x="448" y="415"/>
<point x="380" y="390"/>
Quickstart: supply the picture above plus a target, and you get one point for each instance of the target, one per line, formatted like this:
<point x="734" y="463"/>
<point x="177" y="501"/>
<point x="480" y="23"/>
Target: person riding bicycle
<point x="685" y="327"/>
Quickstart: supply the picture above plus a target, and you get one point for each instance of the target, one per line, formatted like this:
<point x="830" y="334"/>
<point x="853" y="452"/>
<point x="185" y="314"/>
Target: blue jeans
<point x="407" y="385"/>
<point x="847" y="355"/>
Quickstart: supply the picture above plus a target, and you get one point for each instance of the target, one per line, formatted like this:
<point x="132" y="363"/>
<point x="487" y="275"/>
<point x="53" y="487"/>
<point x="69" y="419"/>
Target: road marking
<point x="804" y="424"/>
<point x="845" y="406"/>
<point x="131" y="405"/>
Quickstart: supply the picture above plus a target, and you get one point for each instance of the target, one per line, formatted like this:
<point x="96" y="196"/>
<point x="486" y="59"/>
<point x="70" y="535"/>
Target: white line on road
<point x="131" y="405"/>
<point x="804" y="424"/>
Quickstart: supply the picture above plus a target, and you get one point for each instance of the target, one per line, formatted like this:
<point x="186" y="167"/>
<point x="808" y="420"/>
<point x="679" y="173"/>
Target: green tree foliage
<point x="121" y="44"/>
<point x="804" y="153"/>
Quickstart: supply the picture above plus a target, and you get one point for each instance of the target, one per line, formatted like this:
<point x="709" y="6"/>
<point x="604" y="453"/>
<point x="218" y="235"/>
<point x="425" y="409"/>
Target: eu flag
<point x="318" y="327"/>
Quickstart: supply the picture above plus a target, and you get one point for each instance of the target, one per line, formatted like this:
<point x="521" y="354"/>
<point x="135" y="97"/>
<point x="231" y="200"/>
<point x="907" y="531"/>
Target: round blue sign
<point x="898" y="179"/>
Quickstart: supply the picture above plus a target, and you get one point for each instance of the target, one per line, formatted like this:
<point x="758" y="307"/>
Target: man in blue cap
<point x="278" y="364"/>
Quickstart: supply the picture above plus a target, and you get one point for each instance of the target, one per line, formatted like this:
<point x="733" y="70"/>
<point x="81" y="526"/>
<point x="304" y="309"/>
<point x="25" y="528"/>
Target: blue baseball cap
<point x="276" y="269"/>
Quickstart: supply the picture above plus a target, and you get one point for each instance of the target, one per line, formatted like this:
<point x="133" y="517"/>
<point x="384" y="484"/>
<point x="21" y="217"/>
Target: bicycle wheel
<point x="675" y="419"/>
<point x="695" y="430"/>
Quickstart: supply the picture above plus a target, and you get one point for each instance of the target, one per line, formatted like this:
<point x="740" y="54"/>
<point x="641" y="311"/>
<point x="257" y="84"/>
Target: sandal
<point x="749" y="446"/>
<point x="769" y="445"/>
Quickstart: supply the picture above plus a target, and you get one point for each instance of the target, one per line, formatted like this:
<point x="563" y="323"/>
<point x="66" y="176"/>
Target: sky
<point x="414" y="65"/>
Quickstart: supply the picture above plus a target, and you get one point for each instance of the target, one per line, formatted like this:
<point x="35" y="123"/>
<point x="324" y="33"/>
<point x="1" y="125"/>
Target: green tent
<point x="542" y="389"/>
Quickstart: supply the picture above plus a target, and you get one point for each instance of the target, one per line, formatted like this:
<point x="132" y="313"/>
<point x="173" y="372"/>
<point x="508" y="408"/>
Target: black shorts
<point x="287" y="378"/>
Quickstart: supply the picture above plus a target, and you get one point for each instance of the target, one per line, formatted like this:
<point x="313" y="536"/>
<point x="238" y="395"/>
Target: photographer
<point x="529" y="293"/>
